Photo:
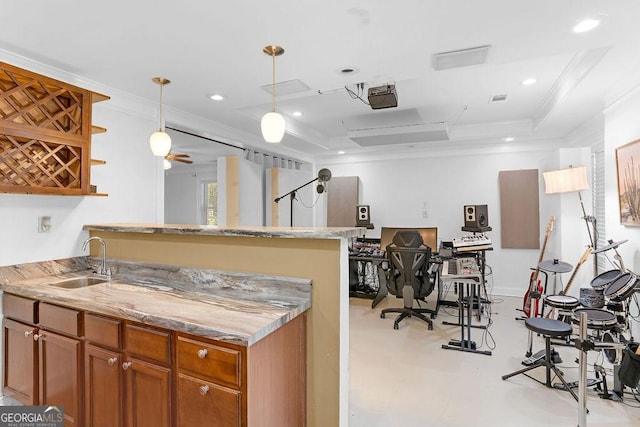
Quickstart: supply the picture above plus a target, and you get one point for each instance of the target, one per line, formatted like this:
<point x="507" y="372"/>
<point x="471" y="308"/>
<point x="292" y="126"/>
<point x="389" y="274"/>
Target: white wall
<point x="621" y="127"/>
<point x="183" y="193"/>
<point x="132" y="177"/>
<point x="306" y="197"/>
<point x="400" y="190"/>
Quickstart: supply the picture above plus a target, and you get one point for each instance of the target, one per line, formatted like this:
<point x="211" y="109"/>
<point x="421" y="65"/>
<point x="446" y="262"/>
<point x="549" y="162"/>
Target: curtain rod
<point x="208" y="139"/>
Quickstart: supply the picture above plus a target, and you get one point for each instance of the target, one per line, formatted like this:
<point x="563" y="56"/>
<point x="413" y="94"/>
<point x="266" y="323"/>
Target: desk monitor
<point x="429" y="236"/>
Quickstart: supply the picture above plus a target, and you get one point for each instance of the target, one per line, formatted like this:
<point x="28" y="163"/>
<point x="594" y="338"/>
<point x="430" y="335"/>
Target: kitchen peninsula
<point x="317" y="254"/>
<point x="154" y="344"/>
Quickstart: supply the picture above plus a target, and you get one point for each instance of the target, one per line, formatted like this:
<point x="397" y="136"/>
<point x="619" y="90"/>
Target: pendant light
<point x="160" y="141"/>
<point x="272" y="123"/>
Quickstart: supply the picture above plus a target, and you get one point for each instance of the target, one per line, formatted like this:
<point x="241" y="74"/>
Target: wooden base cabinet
<point x="103" y="387"/>
<point x="148" y="394"/>
<point x="202" y="403"/>
<point x="43" y="358"/>
<point x="128" y="374"/>
<point x="109" y="372"/>
<point x="263" y="385"/>
<point x="125" y="392"/>
<point x="20" y="362"/>
<point x="60" y="374"/>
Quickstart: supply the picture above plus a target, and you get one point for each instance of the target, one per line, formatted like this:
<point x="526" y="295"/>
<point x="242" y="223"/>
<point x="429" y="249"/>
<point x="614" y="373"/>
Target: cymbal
<point x="611" y="245"/>
<point x="555" y="266"/>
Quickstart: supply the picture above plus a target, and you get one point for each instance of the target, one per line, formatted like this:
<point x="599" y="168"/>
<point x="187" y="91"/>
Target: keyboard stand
<point x="468" y="288"/>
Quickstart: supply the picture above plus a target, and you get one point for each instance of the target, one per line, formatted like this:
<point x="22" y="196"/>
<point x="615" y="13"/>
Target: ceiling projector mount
<point x="379" y="97"/>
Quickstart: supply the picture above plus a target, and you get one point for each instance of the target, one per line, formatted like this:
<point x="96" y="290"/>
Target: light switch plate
<point x="44" y="224"/>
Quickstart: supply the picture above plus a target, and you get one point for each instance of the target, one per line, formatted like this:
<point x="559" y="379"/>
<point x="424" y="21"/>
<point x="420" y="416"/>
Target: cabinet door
<point x="60" y="375"/>
<point x="103" y="387"/>
<point x="201" y="403"/>
<point x="20" y="379"/>
<point x="148" y="394"/>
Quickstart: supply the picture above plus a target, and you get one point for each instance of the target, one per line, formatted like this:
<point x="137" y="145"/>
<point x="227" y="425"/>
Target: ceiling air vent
<point x="498" y="98"/>
<point x="287" y="88"/>
<point x="460" y="58"/>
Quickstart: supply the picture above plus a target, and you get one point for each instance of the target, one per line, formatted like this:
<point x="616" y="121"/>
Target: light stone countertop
<point x="232" y="307"/>
<point x="210" y="230"/>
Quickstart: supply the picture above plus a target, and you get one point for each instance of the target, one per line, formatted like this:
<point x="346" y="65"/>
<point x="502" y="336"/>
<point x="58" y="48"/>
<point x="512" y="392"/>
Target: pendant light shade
<point x="160" y="141"/>
<point x="272" y="124"/>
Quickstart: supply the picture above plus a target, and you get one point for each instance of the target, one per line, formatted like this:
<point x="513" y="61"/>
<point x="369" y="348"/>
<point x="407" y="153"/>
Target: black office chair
<point x="408" y="276"/>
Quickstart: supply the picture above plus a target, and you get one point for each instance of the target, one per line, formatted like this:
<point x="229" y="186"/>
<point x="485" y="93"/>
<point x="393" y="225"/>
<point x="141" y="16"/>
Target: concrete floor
<point x="404" y="378"/>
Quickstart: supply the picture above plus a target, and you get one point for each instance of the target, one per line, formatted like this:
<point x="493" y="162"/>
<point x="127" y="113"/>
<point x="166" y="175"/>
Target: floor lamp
<point x="572" y="180"/>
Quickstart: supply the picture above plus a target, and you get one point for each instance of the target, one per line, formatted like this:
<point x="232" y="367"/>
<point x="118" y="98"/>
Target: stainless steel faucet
<point x="103" y="271"/>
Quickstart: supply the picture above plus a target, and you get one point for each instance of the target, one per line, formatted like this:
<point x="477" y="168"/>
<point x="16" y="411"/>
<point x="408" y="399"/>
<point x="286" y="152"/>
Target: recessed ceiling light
<point x="508" y="139"/>
<point x="348" y="70"/>
<point x="529" y="81"/>
<point x="586" y="25"/>
<point x="297" y="113"/>
<point x="340" y="152"/>
<point x="216" y="97"/>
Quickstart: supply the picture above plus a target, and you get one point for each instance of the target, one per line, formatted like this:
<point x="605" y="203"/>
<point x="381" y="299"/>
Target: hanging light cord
<point x="273" y="82"/>
<point x="161" y="129"/>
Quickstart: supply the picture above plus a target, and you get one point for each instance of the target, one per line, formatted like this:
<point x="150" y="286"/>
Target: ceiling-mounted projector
<point x="383" y="97"/>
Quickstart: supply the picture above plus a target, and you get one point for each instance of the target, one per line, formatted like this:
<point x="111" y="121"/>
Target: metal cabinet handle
<point x="202" y="353"/>
<point x="27" y="334"/>
<point x="204" y="389"/>
<point x="36" y="337"/>
<point x="126" y="365"/>
<point x="112" y="361"/>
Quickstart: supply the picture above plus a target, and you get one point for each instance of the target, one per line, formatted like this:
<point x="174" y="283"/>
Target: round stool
<point x="548" y="328"/>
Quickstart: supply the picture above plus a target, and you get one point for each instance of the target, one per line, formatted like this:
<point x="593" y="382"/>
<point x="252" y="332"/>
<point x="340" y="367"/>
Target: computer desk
<point x="382" y="280"/>
<point x="376" y="262"/>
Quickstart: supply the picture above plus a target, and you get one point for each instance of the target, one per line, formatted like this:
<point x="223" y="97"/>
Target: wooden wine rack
<point x="45" y="134"/>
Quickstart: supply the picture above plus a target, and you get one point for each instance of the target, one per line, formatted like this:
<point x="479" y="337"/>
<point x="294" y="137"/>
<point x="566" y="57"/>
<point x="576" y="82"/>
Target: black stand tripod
<point x="324" y="175"/>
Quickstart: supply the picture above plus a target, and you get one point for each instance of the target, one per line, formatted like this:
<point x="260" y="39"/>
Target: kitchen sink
<point x="79" y="282"/>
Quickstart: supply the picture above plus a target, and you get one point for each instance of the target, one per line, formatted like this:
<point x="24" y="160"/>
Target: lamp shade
<point x="160" y="143"/>
<point x="167" y="164"/>
<point x="565" y="180"/>
<point x="272" y="126"/>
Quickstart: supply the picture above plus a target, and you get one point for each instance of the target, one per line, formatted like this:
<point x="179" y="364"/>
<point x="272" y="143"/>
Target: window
<point x="210" y="202"/>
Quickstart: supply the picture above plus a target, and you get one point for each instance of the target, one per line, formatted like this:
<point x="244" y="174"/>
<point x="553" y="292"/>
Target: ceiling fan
<point x="184" y="158"/>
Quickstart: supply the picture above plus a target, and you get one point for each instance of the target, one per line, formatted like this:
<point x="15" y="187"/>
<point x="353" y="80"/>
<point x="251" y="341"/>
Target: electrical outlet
<point x="44" y="224"/>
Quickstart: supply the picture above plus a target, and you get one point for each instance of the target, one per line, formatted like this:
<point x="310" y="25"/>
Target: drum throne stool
<point x="548" y="328"/>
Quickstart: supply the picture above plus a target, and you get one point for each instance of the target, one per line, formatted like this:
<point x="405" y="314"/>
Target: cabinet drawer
<point x="61" y="319"/>
<point x="209" y="361"/>
<point x="203" y="403"/>
<point x="103" y="330"/>
<point x="20" y="308"/>
<point x="148" y="343"/>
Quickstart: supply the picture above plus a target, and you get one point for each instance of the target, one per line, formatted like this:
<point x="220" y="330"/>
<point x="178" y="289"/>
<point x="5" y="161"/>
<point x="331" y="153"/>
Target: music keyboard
<point x="471" y="240"/>
<point x="458" y="268"/>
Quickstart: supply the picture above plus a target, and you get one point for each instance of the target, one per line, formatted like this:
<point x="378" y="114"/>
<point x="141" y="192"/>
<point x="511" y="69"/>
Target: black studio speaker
<point x="476" y="216"/>
<point x="363" y="216"/>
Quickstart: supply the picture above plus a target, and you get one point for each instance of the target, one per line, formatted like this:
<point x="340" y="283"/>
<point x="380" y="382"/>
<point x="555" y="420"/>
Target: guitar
<point x="535" y="289"/>
<point x="581" y="261"/>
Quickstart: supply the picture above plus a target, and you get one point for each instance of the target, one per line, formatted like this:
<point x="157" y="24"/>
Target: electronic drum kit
<point x="604" y="312"/>
<point x="606" y="303"/>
